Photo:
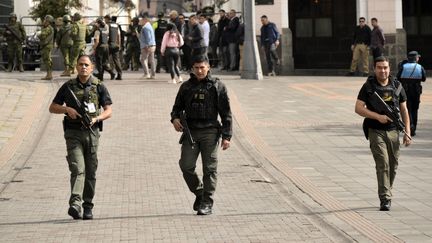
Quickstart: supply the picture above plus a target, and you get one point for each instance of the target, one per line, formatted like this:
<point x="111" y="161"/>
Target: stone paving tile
<point x="330" y="136"/>
<point x="141" y="195"/>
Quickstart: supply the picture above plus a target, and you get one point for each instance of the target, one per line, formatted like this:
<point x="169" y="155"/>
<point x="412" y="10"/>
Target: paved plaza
<point x="299" y="168"/>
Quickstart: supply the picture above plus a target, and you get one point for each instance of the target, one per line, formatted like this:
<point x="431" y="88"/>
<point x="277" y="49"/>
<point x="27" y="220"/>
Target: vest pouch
<point x="114" y="47"/>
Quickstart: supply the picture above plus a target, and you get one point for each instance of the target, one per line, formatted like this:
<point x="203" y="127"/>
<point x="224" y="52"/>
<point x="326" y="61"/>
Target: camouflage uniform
<point x="15" y="42"/>
<point x="46" y="44"/>
<point x="65" y="42"/>
<point x="78" y="35"/>
<point x="133" y="45"/>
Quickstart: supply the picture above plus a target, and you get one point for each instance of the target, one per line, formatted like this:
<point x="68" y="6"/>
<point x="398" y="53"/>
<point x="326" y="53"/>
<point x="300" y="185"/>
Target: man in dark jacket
<point x="360" y="47"/>
<point x="223" y="43"/>
<point x="202" y="98"/>
<point x="269" y="42"/>
<point x="196" y="37"/>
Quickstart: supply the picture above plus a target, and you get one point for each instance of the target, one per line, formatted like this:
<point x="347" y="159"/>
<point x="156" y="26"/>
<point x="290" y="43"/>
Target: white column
<point x="362" y="9"/>
<point x="398" y="14"/>
<point x="251" y="60"/>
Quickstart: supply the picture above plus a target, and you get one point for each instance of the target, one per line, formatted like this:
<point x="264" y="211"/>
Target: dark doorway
<point x="417" y="20"/>
<point x="322" y="33"/>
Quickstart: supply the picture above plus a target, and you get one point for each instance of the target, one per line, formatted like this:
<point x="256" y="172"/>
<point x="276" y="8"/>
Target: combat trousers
<point x="384" y="146"/>
<point x="14" y="50"/>
<point x="77" y="50"/>
<point x="46" y="56"/>
<point x="102" y="60"/>
<point x="360" y="52"/>
<point x="115" y="55"/>
<point x="82" y="148"/>
<point x="207" y="141"/>
<point x="67" y="56"/>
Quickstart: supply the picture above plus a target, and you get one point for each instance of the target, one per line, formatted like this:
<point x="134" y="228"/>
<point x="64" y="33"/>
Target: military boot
<point x="48" y="76"/>
<point x="21" y="68"/>
<point x="66" y="73"/>
<point x="72" y="70"/>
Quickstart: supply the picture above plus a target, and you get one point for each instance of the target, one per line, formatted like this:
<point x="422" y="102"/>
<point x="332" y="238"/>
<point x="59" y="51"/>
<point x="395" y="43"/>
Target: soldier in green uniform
<point x="46" y="38"/>
<point x="133" y="44"/>
<point x="82" y="142"/>
<point x="78" y="35"/>
<point x="15" y="35"/>
<point x="65" y="42"/>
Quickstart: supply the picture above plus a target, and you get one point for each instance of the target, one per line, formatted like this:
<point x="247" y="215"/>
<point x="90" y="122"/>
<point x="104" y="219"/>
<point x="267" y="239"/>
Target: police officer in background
<point x="65" y="43"/>
<point x="15" y="36"/>
<point x="381" y="130"/>
<point x="160" y="27"/>
<point x="114" y="43"/>
<point x="411" y="74"/>
<point x="132" y="55"/>
<point x="101" y="48"/>
<point x="78" y="35"/>
<point x="81" y="142"/>
<point x="46" y="43"/>
<point x="202" y="98"/>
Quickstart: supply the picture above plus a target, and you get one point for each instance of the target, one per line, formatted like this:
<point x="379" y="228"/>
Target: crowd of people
<point x="114" y="49"/>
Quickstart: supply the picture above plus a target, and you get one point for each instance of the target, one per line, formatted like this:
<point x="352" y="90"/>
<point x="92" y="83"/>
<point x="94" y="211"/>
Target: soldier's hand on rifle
<point x="72" y="113"/>
<point x="177" y="125"/>
<point x="384" y="119"/>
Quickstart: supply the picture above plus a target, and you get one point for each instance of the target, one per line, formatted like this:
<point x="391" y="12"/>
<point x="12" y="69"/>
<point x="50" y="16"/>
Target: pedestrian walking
<point x="114" y="44"/>
<point x="196" y="37"/>
<point x="15" y="36"/>
<point x="233" y="48"/>
<point x="360" y="47"/>
<point x="269" y="43"/>
<point x="148" y="47"/>
<point x="380" y="129"/>
<point x="377" y="39"/>
<point x="411" y="74"/>
<point x="132" y="45"/>
<point x="170" y="49"/>
<point x="101" y="49"/>
<point x="65" y="43"/>
<point x="46" y="43"/>
<point x="82" y="139"/>
<point x="202" y="98"/>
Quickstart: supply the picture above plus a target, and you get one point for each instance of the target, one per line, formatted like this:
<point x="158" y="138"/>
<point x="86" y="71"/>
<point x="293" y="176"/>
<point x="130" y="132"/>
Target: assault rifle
<point x="381" y="107"/>
<point x="85" y="118"/>
<point x="186" y="131"/>
<point x="13" y="33"/>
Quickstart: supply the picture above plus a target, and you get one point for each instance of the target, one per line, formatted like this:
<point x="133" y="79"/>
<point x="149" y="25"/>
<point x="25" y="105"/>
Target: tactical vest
<point x="103" y="35"/>
<point x="92" y="95"/>
<point x="160" y="29"/>
<point x="411" y="70"/>
<point x="203" y="102"/>
<point x="113" y="33"/>
<point x="389" y="93"/>
<point x="79" y="32"/>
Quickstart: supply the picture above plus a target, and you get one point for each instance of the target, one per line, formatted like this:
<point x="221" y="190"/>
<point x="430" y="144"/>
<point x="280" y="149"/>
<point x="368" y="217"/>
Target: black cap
<point x="413" y="54"/>
<point x="160" y="14"/>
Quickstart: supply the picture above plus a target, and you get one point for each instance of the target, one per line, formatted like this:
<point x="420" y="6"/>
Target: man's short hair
<point x="221" y="10"/>
<point x="85" y="55"/>
<point x="374" y="19"/>
<point x="264" y="17"/>
<point x="380" y="59"/>
<point x="199" y="59"/>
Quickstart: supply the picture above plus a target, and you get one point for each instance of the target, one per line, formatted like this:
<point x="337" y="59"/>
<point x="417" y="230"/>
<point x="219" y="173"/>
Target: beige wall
<point x="385" y="12"/>
<point x="273" y="12"/>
